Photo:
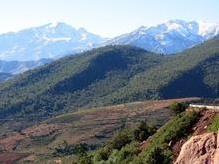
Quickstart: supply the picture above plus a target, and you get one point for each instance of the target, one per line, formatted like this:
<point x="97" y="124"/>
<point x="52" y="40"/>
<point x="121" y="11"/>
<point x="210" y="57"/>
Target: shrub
<point x="126" y="154"/>
<point x="103" y="153"/>
<point x="66" y="149"/>
<point x="118" y="141"/>
<point x="179" y="107"/>
<point x="159" y="155"/>
<point x="85" y="159"/>
<point x="121" y="139"/>
<point x="143" y="131"/>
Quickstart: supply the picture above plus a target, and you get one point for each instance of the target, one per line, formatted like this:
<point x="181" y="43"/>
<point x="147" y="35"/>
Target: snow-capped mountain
<point x="170" y="37"/>
<point x="50" y="41"/>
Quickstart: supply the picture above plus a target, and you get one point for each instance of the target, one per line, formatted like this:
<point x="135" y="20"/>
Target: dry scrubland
<point x="94" y="127"/>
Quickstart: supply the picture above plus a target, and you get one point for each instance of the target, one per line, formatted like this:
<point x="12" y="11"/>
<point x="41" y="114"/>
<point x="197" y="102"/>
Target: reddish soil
<point x="9" y="143"/>
<point x="91" y="126"/>
<point x="10" y="158"/>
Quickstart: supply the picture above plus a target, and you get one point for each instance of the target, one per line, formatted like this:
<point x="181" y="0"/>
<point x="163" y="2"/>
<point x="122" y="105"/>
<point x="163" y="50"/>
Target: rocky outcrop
<point x="201" y="149"/>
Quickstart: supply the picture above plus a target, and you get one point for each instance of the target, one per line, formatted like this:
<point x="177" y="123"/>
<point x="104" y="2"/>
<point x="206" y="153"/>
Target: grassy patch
<point x="158" y="150"/>
<point x="214" y="126"/>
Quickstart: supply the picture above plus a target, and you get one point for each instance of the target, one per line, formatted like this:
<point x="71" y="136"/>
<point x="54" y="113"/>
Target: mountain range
<point x="27" y="49"/>
<point x="170" y="37"/>
<point x="50" y="41"/>
<point x="46" y="113"/>
<point x="111" y="75"/>
<point x="55" y="40"/>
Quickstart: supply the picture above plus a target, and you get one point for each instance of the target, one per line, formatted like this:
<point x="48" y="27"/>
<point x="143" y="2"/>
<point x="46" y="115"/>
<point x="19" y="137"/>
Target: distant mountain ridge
<point x="55" y="40"/>
<point x="170" y="37"/>
<point x="16" y="67"/>
<point x="4" y="76"/>
<point x="33" y="47"/>
<point x="50" y="41"/>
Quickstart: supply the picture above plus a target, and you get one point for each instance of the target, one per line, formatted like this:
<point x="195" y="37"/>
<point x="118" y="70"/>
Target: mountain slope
<point x="76" y="81"/>
<point x="170" y="37"/>
<point x="4" y="76"/>
<point x="16" y="67"/>
<point x="53" y="40"/>
<point x="111" y="75"/>
<point x="194" y="72"/>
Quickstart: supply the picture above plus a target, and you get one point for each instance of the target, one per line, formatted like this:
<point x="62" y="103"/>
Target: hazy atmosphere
<point x="108" y="18"/>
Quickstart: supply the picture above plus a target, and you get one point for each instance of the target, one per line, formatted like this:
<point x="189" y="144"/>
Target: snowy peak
<point x="170" y="37"/>
<point x="208" y="30"/>
<point x="51" y="41"/>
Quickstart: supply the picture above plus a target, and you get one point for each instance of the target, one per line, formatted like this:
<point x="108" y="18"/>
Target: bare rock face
<point x="201" y="149"/>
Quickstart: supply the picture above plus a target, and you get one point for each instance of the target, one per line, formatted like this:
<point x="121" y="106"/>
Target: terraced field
<point x="91" y="126"/>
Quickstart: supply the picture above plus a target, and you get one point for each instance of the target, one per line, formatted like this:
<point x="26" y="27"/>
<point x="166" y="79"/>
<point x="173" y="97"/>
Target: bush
<point x="66" y="149"/>
<point x="126" y="154"/>
<point x="159" y="155"/>
<point x="121" y="139"/>
<point x="179" y="107"/>
<point x="118" y="141"/>
<point x="85" y="159"/>
<point x="103" y="153"/>
<point x="143" y="131"/>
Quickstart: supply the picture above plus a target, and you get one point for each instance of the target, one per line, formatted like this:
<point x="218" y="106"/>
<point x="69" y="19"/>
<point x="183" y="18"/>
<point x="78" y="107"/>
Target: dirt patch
<point x="201" y="126"/>
<point x="9" y="143"/>
<point x="10" y="158"/>
<point x="41" y="130"/>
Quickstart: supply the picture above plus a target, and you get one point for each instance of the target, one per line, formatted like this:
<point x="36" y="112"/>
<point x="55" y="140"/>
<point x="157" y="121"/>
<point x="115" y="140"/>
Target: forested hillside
<point x="77" y="81"/>
<point x="111" y="75"/>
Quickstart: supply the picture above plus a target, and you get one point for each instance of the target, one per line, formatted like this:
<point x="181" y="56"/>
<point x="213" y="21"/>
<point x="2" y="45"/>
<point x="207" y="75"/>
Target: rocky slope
<point x="200" y="149"/>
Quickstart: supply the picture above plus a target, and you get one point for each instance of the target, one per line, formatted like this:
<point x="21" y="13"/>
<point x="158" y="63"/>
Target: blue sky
<point x="105" y="17"/>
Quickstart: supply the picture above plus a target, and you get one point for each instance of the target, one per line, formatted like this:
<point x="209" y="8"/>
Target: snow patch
<point x="67" y="39"/>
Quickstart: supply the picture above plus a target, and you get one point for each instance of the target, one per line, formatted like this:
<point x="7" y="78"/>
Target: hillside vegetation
<point x="157" y="150"/>
<point x="62" y="135"/>
<point x="78" y="81"/>
<point x="111" y="75"/>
